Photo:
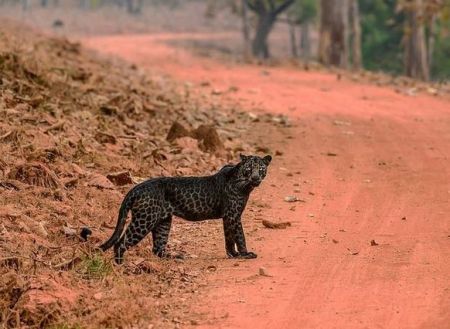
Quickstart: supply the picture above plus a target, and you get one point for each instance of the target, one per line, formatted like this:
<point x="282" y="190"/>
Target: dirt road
<point x="369" y="245"/>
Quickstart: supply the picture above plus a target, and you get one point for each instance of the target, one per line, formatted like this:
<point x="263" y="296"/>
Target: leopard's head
<point x="252" y="170"/>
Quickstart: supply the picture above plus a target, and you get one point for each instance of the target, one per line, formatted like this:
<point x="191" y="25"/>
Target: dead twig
<point x="56" y="126"/>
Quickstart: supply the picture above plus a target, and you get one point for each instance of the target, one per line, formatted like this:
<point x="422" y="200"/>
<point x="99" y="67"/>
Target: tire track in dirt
<point x="388" y="182"/>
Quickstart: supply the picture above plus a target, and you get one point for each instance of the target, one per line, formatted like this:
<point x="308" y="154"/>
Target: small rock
<point x="188" y="144"/>
<point x="212" y="268"/>
<point x="177" y="130"/>
<point x="98" y="296"/>
<point x="209" y="140"/>
<point x="292" y="198"/>
<point x="411" y="91"/>
<point x="254" y="117"/>
<point x="120" y="178"/>
<point x="341" y="123"/>
<point x="273" y="225"/>
<point x="373" y="243"/>
<point x="100" y="181"/>
<point x="263" y="272"/>
<point x="282" y="120"/>
<point x="353" y="252"/>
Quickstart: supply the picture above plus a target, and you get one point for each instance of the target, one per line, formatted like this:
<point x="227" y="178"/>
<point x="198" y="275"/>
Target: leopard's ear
<point x="267" y="159"/>
<point x="243" y="157"/>
<point x="229" y="170"/>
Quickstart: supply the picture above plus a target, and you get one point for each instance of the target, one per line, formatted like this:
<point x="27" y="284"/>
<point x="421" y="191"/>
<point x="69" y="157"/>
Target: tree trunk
<point x="333" y="43"/>
<point x="134" y="7"/>
<point x="305" y="42"/>
<point x="246" y="29"/>
<point x="84" y="4"/>
<point x="431" y="40"/>
<point x="355" y="35"/>
<point x="416" y="63"/>
<point x="25" y="5"/>
<point x="260" y="47"/>
<point x="267" y="11"/>
<point x="211" y="9"/>
<point x="292" y="38"/>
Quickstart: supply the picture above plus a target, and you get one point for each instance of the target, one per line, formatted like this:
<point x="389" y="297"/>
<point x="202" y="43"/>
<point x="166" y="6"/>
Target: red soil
<point x="370" y="164"/>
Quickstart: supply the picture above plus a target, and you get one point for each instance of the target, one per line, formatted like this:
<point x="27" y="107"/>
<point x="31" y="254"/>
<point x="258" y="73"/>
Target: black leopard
<point x="155" y="201"/>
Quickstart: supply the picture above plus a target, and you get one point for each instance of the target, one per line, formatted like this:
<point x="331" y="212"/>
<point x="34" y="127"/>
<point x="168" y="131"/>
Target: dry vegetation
<point x="68" y="123"/>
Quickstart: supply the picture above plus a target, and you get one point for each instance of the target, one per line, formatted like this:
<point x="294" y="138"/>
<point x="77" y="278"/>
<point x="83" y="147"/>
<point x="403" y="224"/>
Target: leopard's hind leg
<point x="160" y="235"/>
<point x="141" y="224"/>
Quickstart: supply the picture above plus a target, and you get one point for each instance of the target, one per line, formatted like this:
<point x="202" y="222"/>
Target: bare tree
<point x="355" y="32"/>
<point x="415" y="55"/>
<point x="267" y="12"/>
<point x="134" y="6"/>
<point x="25" y="5"/>
<point x="246" y="28"/>
<point x="305" y="42"/>
<point x="303" y="13"/>
<point x="292" y="37"/>
<point x="333" y="44"/>
<point x="431" y="38"/>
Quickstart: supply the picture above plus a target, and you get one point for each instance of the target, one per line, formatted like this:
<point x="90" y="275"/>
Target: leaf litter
<point x="75" y="132"/>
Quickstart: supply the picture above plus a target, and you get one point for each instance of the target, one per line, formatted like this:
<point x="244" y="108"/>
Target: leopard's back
<point x="191" y="198"/>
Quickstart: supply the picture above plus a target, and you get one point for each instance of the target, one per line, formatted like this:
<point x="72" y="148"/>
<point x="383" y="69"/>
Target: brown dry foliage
<point x="66" y="119"/>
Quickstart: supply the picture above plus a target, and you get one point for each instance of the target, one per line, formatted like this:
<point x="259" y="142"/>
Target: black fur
<point x="222" y="195"/>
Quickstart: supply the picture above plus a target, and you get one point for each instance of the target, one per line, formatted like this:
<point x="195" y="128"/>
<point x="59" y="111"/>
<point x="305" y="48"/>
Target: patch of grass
<point x="94" y="266"/>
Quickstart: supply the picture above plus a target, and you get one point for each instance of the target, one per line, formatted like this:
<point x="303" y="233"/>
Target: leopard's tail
<point x="123" y="211"/>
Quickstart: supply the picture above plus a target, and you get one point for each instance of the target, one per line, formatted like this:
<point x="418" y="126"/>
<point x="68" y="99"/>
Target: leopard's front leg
<point x="234" y="235"/>
<point x="230" y="245"/>
<point x="239" y="237"/>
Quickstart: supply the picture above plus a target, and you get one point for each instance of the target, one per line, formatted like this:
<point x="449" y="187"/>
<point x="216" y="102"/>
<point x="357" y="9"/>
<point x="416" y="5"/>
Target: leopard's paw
<point x="247" y="255"/>
<point x="232" y="254"/>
